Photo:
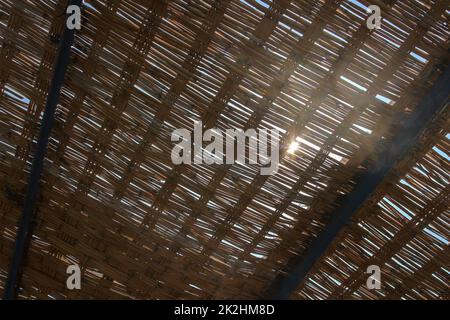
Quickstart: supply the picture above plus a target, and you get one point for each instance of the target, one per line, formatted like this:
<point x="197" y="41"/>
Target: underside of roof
<point x="112" y="201"/>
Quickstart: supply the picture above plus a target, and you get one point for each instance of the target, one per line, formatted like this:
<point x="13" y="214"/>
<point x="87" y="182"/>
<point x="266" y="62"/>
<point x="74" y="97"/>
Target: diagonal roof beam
<point x="24" y="232"/>
<point x="299" y="266"/>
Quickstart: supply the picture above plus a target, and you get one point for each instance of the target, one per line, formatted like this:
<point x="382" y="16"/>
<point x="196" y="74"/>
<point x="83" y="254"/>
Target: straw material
<point x="402" y="229"/>
<point x="141" y="227"/>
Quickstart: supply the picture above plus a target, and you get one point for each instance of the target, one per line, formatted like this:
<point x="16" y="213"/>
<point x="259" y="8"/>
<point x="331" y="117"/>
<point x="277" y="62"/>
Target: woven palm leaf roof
<point x="141" y="227"/>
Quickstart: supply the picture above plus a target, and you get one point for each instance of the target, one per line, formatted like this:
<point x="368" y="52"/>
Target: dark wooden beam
<point x="21" y="245"/>
<point x="298" y="268"/>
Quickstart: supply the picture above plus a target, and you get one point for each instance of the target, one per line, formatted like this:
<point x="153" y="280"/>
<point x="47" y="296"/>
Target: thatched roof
<point x="139" y="226"/>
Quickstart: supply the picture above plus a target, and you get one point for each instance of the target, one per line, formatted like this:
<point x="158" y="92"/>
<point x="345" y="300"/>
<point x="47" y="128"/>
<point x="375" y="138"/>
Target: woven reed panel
<point x="403" y="229"/>
<point x="141" y="227"/>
